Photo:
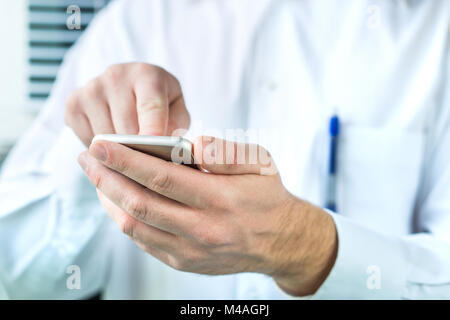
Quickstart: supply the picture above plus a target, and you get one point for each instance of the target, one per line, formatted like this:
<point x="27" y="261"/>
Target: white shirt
<point x="278" y="65"/>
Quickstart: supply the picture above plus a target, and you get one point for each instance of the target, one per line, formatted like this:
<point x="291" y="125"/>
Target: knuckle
<point x="94" y="176"/>
<point x="114" y="160"/>
<point x="153" y="76"/>
<point x="152" y="69"/>
<point x="72" y="101"/>
<point x="113" y="74"/>
<point x="92" y="88"/>
<point x="210" y="238"/>
<point x="96" y="179"/>
<point x="187" y="121"/>
<point x="176" y="263"/>
<point x="127" y="225"/>
<point x="145" y="68"/>
<point x="185" y="261"/>
<point x="161" y="182"/>
<point x="175" y="80"/>
<point x="137" y="208"/>
<point x="72" y="109"/>
<point x="119" y="164"/>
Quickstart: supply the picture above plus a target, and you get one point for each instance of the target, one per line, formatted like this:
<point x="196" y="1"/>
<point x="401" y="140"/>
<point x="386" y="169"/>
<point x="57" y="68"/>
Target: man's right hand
<point x="133" y="98"/>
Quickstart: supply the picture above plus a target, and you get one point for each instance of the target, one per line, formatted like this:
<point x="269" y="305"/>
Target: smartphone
<point x="174" y="149"/>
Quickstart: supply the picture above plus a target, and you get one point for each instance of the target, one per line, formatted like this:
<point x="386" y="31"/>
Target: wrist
<point x="310" y="249"/>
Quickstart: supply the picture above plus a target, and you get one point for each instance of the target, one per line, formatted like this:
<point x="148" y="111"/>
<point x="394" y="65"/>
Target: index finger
<point x="155" y="92"/>
<point x="174" y="181"/>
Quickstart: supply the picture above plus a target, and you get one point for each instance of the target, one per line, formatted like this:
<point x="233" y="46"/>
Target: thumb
<point x="233" y="158"/>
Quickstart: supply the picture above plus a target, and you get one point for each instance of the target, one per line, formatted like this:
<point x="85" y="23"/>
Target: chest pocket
<point x="380" y="172"/>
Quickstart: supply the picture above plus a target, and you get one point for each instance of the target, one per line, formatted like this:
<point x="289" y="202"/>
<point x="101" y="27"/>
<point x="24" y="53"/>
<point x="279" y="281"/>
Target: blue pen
<point x="332" y="165"/>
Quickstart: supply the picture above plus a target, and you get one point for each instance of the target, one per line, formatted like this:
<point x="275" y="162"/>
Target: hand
<point x="128" y="99"/>
<point x="233" y="218"/>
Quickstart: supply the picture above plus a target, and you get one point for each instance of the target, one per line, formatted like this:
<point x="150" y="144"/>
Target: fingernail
<point x="82" y="160"/>
<point x="98" y="151"/>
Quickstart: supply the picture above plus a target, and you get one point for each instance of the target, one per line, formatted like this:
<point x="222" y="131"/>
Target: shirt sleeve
<point x="372" y="265"/>
<point x="53" y="230"/>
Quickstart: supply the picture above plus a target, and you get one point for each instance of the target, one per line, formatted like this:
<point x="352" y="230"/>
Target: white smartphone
<point x="175" y="149"/>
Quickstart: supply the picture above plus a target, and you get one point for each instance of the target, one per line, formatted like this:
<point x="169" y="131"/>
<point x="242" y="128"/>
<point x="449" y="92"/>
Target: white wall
<point x="14" y="119"/>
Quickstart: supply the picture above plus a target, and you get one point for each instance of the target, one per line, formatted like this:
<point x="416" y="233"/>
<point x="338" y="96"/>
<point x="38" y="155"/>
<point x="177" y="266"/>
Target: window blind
<point x="53" y="27"/>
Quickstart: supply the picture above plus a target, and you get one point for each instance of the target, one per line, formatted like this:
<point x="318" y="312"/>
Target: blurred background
<point x="36" y="34"/>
